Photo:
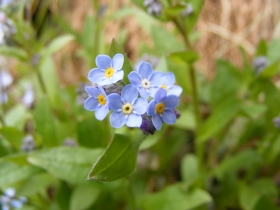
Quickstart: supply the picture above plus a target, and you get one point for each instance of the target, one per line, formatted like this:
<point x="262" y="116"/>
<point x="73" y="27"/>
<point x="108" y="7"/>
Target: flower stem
<point x="41" y="81"/>
<point x="199" y="146"/>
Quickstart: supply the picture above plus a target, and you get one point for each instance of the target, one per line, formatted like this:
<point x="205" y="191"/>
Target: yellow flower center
<point x="164" y="87"/>
<point x="159" y="108"/>
<point x="109" y="72"/>
<point x="127" y="108"/>
<point x="101" y="99"/>
<point x="145" y="83"/>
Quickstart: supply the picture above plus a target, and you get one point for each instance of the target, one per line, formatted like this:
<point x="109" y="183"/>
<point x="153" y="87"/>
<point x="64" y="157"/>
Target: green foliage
<point x="222" y="152"/>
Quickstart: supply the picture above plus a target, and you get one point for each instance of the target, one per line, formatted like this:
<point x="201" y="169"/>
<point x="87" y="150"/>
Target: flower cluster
<point x="8" y="199"/>
<point x="156" y="104"/>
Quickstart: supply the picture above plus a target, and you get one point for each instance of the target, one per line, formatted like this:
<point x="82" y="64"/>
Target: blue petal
<point x="91" y="104"/>
<point x="157" y="78"/>
<point x="117" y="119"/>
<point x="92" y="91"/>
<point x="134" y="78"/>
<point x="143" y="92"/>
<point x="96" y="76"/>
<point x="157" y="122"/>
<point x="145" y="70"/>
<point x="160" y="95"/>
<point x="171" y="101"/>
<point x="153" y="91"/>
<point x="102" y="91"/>
<point x="175" y="90"/>
<point x="117" y="61"/>
<point x="134" y="120"/>
<point x="169" y="79"/>
<point x="151" y="109"/>
<point x="118" y="75"/>
<point x="115" y="102"/>
<point x="129" y="93"/>
<point x="140" y="106"/>
<point x="103" y="61"/>
<point x="169" y="117"/>
<point x="101" y="112"/>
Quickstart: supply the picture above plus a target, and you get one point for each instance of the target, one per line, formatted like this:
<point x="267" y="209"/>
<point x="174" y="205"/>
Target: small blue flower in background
<point x="97" y="101"/>
<point x="9" y="200"/>
<point x="127" y="108"/>
<point x="169" y="86"/>
<point x="108" y="70"/>
<point x="146" y="80"/>
<point x="161" y="108"/>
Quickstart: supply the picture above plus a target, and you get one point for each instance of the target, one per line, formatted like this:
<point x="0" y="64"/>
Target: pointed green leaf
<point x="68" y="163"/>
<point x="45" y="123"/>
<point x="13" y="136"/>
<point x="117" y="161"/>
<point x="11" y="173"/>
<point x="13" y="52"/>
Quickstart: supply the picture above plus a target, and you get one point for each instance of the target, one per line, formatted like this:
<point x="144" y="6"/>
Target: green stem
<point x="41" y="81"/>
<point x="199" y="146"/>
<point x="97" y="29"/>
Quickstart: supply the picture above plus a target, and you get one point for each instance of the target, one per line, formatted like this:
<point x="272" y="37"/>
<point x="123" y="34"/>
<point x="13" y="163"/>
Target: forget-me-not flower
<point x="9" y="200"/>
<point x="127" y="108"/>
<point x="108" y="70"/>
<point x="169" y="86"/>
<point x="161" y="108"/>
<point x="146" y="80"/>
<point x="97" y="101"/>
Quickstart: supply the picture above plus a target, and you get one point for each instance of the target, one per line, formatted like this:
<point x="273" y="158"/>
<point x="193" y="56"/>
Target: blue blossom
<point x="9" y="200"/>
<point x="127" y="108"/>
<point x="146" y="80"/>
<point x="108" y="70"/>
<point x="97" y="101"/>
<point x="169" y="86"/>
<point x="161" y="108"/>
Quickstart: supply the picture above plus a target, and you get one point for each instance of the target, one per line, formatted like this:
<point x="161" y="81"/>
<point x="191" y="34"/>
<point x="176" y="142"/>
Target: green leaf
<point x="261" y="48"/>
<point x="174" y="198"/>
<point x="83" y="196"/>
<point x="243" y="160"/>
<point x="270" y="70"/>
<point x="186" y="56"/>
<point x="117" y="161"/>
<point x="50" y="79"/>
<point x="227" y="82"/>
<point x="189" y="169"/>
<point x="55" y="45"/>
<point x="13" y="136"/>
<point x="264" y="202"/>
<point x="221" y="116"/>
<point x="247" y="197"/>
<point x="68" y="163"/>
<point x="45" y="123"/>
<point x="37" y="183"/>
<point x="186" y="120"/>
<point x="165" y="41"/>
<point x="174" y="10"/>
<point x="127" y="68"/>
<point x="254" y="110"/>
<point x="11" y="173"/>
<point x="190" y="20"/>
<point x="14" y="52"/>
<point x="93" y="133"/>
<point x="273" y="50"/>
<point x="16" y="116"/>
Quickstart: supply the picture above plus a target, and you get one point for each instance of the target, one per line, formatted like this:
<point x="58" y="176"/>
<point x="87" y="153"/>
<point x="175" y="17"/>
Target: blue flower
<point x="161" y="108"/>
<point x="97" y="101"/>
<point x="108" y="70"/>
<point x="146" y="80"/>
<point x="169" y="86"/>
<point x="127" y="108"/>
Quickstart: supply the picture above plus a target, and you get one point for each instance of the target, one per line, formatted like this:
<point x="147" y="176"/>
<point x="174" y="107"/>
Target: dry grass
<point x="224" y="26"/>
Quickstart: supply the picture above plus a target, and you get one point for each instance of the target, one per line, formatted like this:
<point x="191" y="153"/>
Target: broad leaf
<point x="189" y="169"/>
<point x="68" y="163"/>
<point x="117" y="161"/>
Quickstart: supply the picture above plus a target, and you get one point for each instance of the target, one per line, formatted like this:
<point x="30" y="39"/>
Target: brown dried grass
<point x="224" y="26"/>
